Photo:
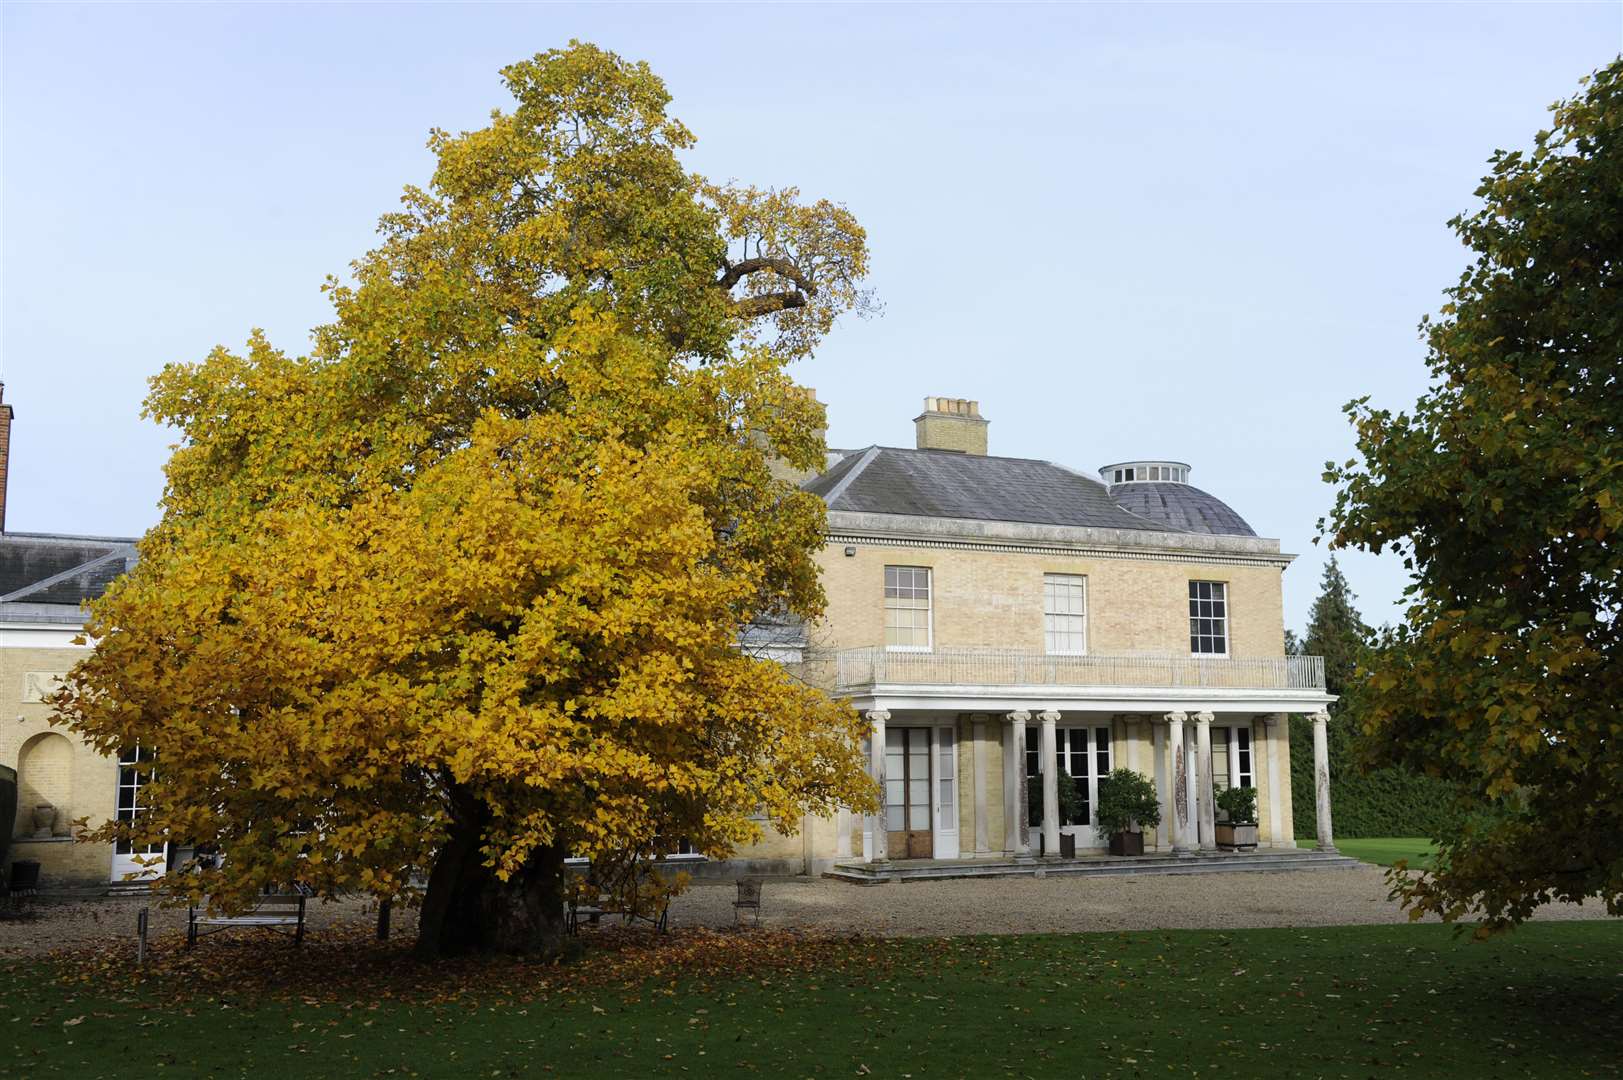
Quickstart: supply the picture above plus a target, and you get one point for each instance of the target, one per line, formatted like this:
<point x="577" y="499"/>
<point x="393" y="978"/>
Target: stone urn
<point x="44" y="819"/>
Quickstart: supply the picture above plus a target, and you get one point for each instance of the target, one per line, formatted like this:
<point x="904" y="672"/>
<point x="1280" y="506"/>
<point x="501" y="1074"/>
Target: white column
<point x="1273" y="725"/>
<point x="1163" y="791"/>
<point x="983" y="830"/>
<point x="842" y="833"/>
<point x="1015" y="826"/>
<point x="1321" y="778"/>
<point x="1203" y="781"/>
<point x="877" y="719"/>
<point x="1182" y="826"/>
<point x="1050" y="784"/>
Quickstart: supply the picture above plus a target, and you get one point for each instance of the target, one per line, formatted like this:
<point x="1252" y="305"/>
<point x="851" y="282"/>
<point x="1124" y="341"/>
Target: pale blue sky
<point x="1175" y="231"/>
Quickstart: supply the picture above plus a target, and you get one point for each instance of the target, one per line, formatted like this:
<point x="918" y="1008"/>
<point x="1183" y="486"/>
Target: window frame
<point x="1226" y="619"/>
<point x="1048" y="633"/>
<point x="929" y="608"/>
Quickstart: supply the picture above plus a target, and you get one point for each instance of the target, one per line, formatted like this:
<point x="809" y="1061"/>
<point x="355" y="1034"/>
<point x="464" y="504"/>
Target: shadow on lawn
<point x="347" y="963"/>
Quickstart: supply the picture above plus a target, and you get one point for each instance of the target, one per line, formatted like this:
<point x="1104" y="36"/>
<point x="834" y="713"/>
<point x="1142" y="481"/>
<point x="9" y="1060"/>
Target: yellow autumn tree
<point x="459" y="594"/>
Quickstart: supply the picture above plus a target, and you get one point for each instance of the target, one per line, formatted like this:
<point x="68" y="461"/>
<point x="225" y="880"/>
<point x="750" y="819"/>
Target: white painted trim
<point x="1150" y="699"/>
<point x="871" y="539"/>
<point x="42" y="636"/>
<point x="889" y="528"/>
<point x="944" y="841"/>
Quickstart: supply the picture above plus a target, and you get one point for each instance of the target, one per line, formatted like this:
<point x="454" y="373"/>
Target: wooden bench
<point x="276" y="912"/>
<point x="574" y="912"/>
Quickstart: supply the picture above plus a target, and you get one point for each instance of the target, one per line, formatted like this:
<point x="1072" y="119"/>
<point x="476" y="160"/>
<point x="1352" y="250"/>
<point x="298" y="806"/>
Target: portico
<point x="971" y="769"/>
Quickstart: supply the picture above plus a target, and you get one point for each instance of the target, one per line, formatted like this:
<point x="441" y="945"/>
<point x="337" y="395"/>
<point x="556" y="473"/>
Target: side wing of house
<point x="63" y="786"/>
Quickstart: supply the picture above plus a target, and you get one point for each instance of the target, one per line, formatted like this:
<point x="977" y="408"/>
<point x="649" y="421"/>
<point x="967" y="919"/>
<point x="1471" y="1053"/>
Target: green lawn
<point x="1334" y="1002"/>
<point x="1384" y="850"/>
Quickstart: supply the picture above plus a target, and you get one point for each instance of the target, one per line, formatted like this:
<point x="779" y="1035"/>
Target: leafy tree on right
<point x="1503" y="491"/>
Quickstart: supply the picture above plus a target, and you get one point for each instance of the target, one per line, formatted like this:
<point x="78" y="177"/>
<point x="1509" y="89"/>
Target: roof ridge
<point x="851" y="474"/>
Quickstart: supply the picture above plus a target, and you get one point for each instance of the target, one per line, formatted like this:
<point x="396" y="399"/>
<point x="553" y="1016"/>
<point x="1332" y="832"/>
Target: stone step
<point x="1264" y="862"/>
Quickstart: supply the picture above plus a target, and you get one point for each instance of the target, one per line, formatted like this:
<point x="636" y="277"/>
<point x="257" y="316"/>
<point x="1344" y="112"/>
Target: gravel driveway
<point x="1070" y="904"/>
<point x="925" y="908"/>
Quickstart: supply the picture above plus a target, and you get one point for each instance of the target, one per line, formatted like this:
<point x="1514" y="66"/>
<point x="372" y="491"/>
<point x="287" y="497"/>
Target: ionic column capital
<point x="1203" y="718"/>
<point x="1049" y="716"/>
<point x="878" y="716"/>
<point x="1175" y="717"/>
<point x="1320" y="717"/>
<point x="1019" y="716"/>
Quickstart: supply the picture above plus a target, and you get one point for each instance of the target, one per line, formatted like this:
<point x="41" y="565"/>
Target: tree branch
<point x="738" y="271"/>
<point x="752" y="306"/>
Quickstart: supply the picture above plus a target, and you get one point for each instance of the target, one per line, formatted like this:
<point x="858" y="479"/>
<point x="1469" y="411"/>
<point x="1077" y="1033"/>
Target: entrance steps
<point x="1263" y="860"/>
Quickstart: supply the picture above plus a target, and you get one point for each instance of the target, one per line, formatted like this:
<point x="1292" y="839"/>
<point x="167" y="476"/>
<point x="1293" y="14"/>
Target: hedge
<point x="1383" y="802"/>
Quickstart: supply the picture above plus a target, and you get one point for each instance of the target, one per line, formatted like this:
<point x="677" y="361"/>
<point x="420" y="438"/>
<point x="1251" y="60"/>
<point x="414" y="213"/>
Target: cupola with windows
<point x="1140" y="472"/>
<point x="1161" y="492"/>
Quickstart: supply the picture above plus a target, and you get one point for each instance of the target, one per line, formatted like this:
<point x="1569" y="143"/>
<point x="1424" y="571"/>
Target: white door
<point x="1084" y="753"/>
<point x="945" y="748"/>
<point x="134" y="770"/>
<point x="1084" y="756"/>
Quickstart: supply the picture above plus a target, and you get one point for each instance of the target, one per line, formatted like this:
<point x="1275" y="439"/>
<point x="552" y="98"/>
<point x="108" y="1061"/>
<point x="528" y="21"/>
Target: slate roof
<point x="63" y="571"/>
<point x="1185" y="508"/>
<point x="944" y="484"/>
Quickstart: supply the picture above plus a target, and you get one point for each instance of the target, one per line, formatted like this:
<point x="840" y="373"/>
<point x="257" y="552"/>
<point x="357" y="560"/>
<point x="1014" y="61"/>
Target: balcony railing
<point x="858" y="668"/>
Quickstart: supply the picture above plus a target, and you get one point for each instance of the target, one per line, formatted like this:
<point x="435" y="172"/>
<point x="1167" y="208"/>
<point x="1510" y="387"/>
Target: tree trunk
<point x="468" y="909"/>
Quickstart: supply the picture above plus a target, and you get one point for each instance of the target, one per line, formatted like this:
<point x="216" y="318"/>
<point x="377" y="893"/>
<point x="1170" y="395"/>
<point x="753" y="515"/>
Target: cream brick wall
<point x="54" y="766"/>
<point x="995" y="599"/>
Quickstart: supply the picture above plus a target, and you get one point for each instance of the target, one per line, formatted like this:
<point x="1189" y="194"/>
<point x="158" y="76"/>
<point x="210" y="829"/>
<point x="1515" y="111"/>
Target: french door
<point x="921" y="792"/>
<point x="1083" y="755"/>
<point x="134" y="771"/>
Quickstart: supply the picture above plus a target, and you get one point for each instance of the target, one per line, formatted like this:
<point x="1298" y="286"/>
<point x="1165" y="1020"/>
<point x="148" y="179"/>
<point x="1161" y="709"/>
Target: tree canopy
<point x="460" y="592"/>
<point x="1503" y="491"/>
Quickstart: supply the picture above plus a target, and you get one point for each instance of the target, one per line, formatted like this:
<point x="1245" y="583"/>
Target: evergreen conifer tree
<point x="1335" y="630"/>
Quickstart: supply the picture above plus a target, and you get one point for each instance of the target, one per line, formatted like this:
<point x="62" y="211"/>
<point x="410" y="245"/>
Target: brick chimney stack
<point x="951" y="424"/>
<point x="5" y="453"/>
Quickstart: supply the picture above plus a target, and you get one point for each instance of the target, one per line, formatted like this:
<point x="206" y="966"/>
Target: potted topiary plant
<point x="1239" y="804"/>
<point x="1127" y="805"/>
<point x="1070" y="812"/>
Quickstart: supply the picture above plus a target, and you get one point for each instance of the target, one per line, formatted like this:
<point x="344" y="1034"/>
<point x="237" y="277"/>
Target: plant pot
<point x="44" y="818"/>
<point x="1067" y="846"/>
<point x="1127" y="843"/>
<point x="1242" y="837"/>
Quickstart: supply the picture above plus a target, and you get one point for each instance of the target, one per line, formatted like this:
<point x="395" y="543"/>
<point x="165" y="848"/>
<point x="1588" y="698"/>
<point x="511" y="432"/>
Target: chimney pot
<point x="952" y="424"/>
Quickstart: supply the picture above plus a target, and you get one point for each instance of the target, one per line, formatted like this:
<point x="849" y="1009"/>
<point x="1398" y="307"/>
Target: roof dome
<point x="1181" y="506"/>
<point x="1160" y="491"/>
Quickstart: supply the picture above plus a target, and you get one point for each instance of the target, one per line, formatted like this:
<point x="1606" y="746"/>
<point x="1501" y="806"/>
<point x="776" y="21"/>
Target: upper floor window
<point x="1208" y="618"/>
<point x="1065" y="614"/>
<point x="907" y="607"/>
